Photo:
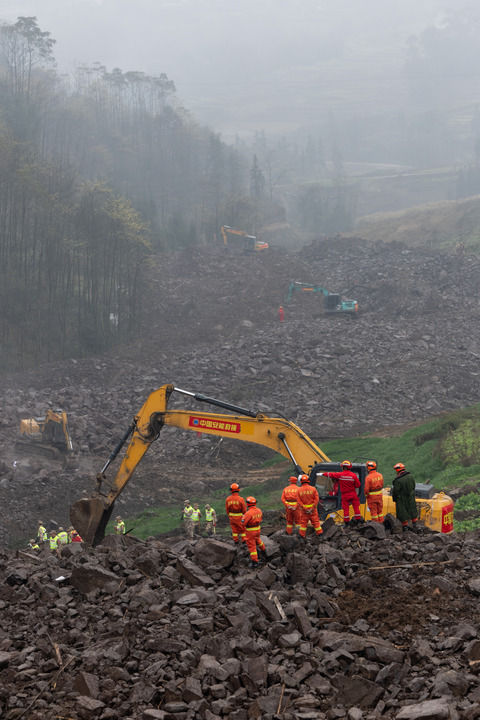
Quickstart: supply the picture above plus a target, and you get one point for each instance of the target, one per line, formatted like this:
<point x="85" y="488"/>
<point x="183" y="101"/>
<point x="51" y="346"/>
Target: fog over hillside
<point x="240" y="67"/>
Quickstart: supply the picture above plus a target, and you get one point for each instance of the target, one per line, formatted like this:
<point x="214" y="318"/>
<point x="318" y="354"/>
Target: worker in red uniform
<point x="252" y="521"/>
<point x="289" y="499"/>
<point x="235" y="507"/>
<point x="348" y="482"/>
<point x="373" y="491"/>
<point x="281" y="313"/>
<point x="307" y="498"/>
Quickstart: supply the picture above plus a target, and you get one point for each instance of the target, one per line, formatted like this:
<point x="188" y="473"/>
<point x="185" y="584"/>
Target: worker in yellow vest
<point x="41" y="532"/>
<point x="210" y="520"/>
<point x="119" y="526"/>
<point x="62" y="537"/>
<point x="187" y="519"/>
<point x="196" y="517"/>
<point x="52" y="541"/>
<point x="32" y="545"/>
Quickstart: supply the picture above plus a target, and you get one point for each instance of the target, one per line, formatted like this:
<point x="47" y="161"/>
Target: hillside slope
<point x="212" y="327"/>
<point x="437" y="225"/>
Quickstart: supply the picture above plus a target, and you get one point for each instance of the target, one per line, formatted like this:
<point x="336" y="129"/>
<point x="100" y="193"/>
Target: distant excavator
<point x="333" y="303"/>
<point x="240" y="240"/>
<point x="90" y="516"/>
<point x="48" y="435"/>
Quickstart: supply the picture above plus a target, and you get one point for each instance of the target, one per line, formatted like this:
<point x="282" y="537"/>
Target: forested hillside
<point x="104" y="172"/>
<point x="96" y="171"/>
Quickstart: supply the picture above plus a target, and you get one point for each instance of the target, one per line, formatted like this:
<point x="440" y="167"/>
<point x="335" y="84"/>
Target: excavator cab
<point x="332" y="504"/>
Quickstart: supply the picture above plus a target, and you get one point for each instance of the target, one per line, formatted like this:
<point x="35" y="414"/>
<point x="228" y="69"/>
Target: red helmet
<point x="346" y="464"/>
<point x="399" y="467"/>
<point x="251" y="500"/>
<point x="303" y="478"/>
<point x="234" y="487"/>
<point x="292" y="479"/>
<point x="371" y="465"/>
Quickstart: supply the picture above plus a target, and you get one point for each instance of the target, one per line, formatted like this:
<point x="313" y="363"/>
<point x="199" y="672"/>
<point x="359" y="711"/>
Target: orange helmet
<point x="399" y="467"/>
<point x="303" y="478"/>
<point x="371" y="465"/>
<point x="346" y="464"/>
<point x="292" y="479"/>
<point x="234" y="487"/>
<point x="251" y="500"/>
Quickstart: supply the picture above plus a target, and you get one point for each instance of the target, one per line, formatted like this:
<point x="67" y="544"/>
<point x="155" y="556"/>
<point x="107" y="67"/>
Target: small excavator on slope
<point x="89" y="516"/>
<point x="241" y="240"/>
<point x="333" y="303"/>
<point x="47" y="435"/>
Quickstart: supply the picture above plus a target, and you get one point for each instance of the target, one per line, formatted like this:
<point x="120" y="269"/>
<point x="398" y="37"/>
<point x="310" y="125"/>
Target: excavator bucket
<point x="89" y="517"/>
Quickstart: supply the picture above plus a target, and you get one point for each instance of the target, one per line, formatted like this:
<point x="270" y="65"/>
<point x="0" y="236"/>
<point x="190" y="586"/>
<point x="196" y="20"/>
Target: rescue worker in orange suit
<point x="289" y="499"/>
<point x="252" y="521"/>
<point x="307" y="497"/>
<point x="348" y="482"/>
<point x="235" y="507"/>
<point x="373" y="491"/>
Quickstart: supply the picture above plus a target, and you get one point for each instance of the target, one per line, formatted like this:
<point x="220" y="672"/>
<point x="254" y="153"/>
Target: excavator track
<point x="39" y="449"/>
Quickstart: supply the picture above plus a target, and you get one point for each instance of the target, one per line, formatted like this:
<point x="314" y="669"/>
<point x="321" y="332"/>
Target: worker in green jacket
<point x="403" y="495"/>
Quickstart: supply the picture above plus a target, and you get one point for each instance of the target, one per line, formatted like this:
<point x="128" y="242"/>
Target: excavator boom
<point x="89" y="516"/>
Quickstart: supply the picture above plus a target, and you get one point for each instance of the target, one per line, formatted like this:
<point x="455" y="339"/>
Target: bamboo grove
<point x="97" y="171"/>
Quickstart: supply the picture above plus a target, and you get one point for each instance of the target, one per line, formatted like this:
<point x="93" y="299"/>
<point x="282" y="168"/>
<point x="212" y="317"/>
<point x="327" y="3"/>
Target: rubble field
<point x="363" y="623"/>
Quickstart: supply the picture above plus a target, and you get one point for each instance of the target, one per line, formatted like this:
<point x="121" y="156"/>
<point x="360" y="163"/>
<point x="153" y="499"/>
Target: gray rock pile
<point x="355" y="625"/>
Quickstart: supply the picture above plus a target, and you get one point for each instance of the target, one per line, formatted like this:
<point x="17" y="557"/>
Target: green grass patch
<point x="461" y="445"/>
<point x="468" y="503"/>
<point x="438" y="225"/>
<point x="387" y="452"/>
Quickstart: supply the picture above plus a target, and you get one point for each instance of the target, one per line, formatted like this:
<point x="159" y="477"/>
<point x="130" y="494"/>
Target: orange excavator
<point x="241" y="240"/>
<point x="48" y="435"/>
<point x="89" y="516"/>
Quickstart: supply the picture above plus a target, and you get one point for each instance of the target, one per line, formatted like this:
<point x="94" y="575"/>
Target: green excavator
<point x="333" y="303"/>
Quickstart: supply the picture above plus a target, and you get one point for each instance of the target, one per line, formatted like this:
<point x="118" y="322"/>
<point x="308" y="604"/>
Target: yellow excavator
<point x="49" y="435"/>
<point x="89" y="516"/>
<point x="249" y="243"/>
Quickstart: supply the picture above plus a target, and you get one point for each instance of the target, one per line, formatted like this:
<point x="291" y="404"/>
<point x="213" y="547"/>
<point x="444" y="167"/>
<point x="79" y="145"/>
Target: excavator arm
<point x="90" y="516"/>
